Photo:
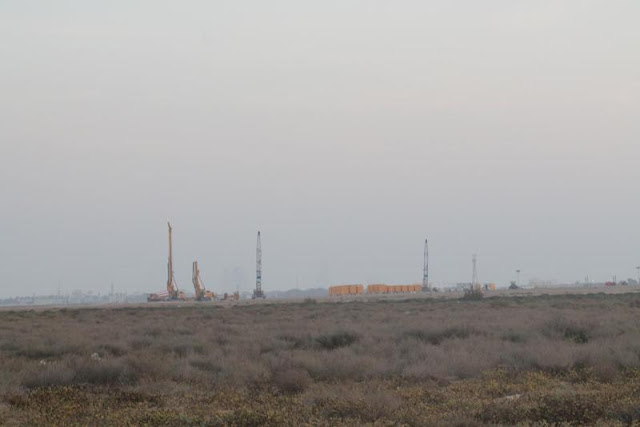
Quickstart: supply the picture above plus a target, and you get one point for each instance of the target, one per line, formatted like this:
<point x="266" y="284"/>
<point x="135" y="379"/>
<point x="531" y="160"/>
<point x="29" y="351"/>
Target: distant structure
<point x="202" y="294"/>
<point x="474" y="279"/>
<point x="346" y="290"/>
<point x="390" y="289"/>
<point x="258" y="293"/>
<point x="425" y="271"/>
<point x="172" y="286"/>
<point x="172" y="292"/>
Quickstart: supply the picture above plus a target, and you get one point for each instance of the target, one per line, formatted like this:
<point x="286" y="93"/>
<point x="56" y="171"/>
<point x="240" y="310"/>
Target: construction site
<point x="173" y="293"/>
<point x="425" y="289"/>
<point x="201" y="293"/>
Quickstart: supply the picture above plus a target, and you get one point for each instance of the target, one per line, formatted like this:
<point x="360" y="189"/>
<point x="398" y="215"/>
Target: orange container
<point x="346" y="290"/>
<point x="403" y="289"/>
<point x="377" y="289"/>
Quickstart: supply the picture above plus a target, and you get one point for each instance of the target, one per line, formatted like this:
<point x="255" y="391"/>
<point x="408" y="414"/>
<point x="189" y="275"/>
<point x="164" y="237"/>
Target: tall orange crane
<point x="173" y="293"/>
<point x="201" y="293"/>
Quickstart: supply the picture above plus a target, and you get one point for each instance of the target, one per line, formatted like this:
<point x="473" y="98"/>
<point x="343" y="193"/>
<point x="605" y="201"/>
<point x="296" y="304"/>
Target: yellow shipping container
<point x="404" y="289"/>
<point x="346" y="290"/>
<point x="377" y="289"/>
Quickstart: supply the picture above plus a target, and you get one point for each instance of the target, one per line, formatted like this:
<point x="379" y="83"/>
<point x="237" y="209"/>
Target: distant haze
<point x="346" y="131"/>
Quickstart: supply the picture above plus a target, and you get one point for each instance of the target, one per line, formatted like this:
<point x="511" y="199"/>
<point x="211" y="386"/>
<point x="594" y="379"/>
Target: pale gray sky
<point x="347" y="131"/>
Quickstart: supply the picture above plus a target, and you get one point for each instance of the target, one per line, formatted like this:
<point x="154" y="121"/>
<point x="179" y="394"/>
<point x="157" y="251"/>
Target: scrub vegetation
<point x="501" y="360"/>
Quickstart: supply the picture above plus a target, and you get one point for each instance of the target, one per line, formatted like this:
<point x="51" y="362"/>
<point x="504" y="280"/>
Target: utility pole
<point x="518" y="277"/>
<point x="257" y="293"/>
<point x="425" y="271"/>
<point x="474" y="279"/>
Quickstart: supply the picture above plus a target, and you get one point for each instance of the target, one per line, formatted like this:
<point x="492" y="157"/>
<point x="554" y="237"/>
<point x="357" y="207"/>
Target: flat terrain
<point x="500" y="360"/>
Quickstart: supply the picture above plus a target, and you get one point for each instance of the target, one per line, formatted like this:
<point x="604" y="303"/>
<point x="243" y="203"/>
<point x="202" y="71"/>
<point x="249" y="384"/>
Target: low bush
<point x="336" y="340"/>
<point x="98" y="372"/>
<point x="515" y="337"/>
<point x="205" y="365"/>
<point x="548" y="409"/>
<point x="438" y="336"/>
<point x="424" y="361"/>
<point x="104" y="372"/>
<point x="559" y="327"/>
<point x="472" y="295"/>
<point x="51" y="375"/>
<point x="297" y="341"/>
<point x="292" y="380"/>
<point x="111" y="349"/>
<point x="47" y="350"/>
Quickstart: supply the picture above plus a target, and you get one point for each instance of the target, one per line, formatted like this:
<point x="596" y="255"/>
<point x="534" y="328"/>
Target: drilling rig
<point x="201" y="293"/>
<point x="258" y="293"/>
<point x="172" y="293"/>
<point x="425" y="271"/>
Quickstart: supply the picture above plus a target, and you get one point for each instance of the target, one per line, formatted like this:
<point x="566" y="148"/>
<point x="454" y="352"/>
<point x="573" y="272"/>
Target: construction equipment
<point x="201" y="293"/>
<point x="172" y="293"/>
<point x="258" y="293"/>
<point x="475" y="284"/>
<point x="425" y="270"/>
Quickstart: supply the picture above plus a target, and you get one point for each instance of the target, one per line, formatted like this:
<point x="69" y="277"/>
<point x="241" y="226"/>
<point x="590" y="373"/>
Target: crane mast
<point x="425" y="271"/>
<point x="475" y="285"/>
<point x="172" y="286"/>
<point x="202" y="294"/>
<point x="173" y="293"/>
<point x="258" y="293"/>
<point x="197" y="283"/>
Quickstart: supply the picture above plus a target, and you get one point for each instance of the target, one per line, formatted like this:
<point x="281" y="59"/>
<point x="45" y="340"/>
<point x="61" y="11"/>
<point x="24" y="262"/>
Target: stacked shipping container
<point x="346" y="290"/>
<point x="374" y="289"/>
<point x="378" y="289"/>
<point x="403" y="289"/>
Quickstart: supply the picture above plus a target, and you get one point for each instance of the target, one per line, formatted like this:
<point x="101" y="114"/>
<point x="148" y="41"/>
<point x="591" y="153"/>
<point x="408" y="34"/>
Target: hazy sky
<point x="346" y="131"/>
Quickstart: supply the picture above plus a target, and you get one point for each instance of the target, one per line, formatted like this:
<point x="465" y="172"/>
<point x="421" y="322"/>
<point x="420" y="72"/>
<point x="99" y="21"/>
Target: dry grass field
<point x="535" y="359"/>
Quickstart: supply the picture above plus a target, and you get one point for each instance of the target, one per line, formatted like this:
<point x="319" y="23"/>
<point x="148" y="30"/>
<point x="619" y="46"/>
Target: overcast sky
<point x="346" y="131"/>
